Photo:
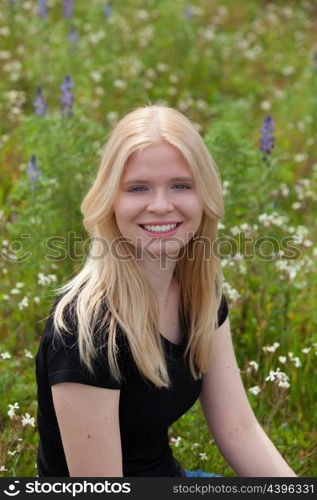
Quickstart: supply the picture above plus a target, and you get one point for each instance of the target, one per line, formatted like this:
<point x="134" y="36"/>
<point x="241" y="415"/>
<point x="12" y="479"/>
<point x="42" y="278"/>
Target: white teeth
<point x="161" y="229"/>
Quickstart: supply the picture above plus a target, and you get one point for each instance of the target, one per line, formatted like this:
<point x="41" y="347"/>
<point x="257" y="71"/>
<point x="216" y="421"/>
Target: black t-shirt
<point x="145" y="411"/>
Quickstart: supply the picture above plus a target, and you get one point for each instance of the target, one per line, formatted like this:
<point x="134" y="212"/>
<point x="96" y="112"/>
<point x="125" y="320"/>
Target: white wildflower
<point x="297" y="362"/>
<point x="231" y="292"/>
<point x="284" y="190"/>
<point x="201" y="104"/>
<point x="288" y="70"/>
<point x="296" y="205"/>
<point x="226" y="189"/>
<point x="253" y="364"/>
<point x="24" y="303"/>
<point x="282" y="359"/>
<point x="112" y="116"/>
<point x="271" y="348"/>
<point x="306" y="350"/>
<point x="19" y="285"/>
<point x="12" y="453"/>
<point x="95" y="38"/>
<point x="235" y="230"/>
<point x="28" y="353"/>
<point x="173" y="78"/>
<point x="4" y="54"/>
<point x="99" y="91"/>
<point x="242" y="268"/>
<point x="279" y="377"/>
<point x="6" y="355"/>
<point x="284" y="384"/>
<point x="271" y="376"/>
<point x="161" y="67"/>
<point x="119" y="84"/>
<point x="203" y="456"/>
<point x="46" y="280"/>
<point x="266" y="105"/>
<point x="2" y="468"/>
<point x="96" y="76"/>
<point x="4" y="31"/>
<point x="12" y="409"/>
<point x="255" y="390"/>
<point x="15" y="291"/>
<point x="273" y="218"/>
<point x="307" y="243"/>
<point x="143" y="14"/>
<point x="150" y="73"/>
<point x="300" y="157"/>
<point x="176" y="441"/>
<point x="27" y="419"/>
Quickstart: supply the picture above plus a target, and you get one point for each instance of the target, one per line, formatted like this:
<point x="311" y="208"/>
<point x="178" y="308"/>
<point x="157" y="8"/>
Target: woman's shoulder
<point x="62" y="354"/>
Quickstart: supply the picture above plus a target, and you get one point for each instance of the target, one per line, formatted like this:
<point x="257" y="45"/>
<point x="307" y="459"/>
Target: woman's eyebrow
<point x="183" y="179"/>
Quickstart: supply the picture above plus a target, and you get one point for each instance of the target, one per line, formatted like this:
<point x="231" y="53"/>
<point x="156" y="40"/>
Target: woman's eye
<point x="133" y="189"/>
<point x="183" y="185"/>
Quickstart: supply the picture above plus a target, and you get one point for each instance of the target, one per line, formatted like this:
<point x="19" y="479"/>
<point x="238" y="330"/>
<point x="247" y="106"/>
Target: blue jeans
<point x="198" y="473"/>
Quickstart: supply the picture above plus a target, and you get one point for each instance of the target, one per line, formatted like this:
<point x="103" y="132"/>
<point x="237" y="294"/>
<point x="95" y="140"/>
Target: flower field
<point x="246" y="74"/>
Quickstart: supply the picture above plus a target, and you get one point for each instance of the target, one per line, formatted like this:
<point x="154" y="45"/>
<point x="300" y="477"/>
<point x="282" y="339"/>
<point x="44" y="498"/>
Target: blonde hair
<point x="111" y="292"/>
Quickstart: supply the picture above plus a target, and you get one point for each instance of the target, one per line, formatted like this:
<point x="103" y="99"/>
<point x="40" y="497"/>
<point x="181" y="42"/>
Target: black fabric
<point x="144" y="433"/>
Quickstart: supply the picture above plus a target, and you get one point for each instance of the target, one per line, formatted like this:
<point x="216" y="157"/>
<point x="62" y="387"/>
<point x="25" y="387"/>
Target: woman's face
<point x="157" y="189"/>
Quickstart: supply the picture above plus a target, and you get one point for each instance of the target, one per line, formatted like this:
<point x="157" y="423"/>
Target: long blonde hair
<point x="114" y="293"/>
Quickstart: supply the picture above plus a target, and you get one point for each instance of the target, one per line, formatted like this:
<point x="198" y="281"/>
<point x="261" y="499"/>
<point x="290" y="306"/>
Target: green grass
<point x="226" y="68"/>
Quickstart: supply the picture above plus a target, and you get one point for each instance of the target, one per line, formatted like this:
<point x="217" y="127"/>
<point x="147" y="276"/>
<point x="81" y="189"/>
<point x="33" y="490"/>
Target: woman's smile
<point x="160" y="231"/>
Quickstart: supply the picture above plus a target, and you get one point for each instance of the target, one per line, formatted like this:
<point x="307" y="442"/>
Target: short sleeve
<point x="223" y="310"/>
<point x="64" y="364"/>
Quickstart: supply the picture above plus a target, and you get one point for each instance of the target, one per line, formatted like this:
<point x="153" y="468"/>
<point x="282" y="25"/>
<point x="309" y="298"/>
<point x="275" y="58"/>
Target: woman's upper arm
<point x="88" y="419"/>
<point x="223" y="397"/>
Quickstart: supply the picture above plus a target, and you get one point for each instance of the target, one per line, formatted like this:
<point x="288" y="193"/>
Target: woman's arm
<point x="88" y="419"/>
<point x="230" y="418"/>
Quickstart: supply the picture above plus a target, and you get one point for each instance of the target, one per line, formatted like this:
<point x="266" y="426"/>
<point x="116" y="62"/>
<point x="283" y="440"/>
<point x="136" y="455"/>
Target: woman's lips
<point x="161" y="234"/>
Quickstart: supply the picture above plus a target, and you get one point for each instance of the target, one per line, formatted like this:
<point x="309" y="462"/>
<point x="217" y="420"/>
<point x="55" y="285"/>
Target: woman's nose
<point x="160" y="201"/>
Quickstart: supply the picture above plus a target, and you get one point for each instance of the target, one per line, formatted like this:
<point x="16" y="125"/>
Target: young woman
<point x="143" y="331"/>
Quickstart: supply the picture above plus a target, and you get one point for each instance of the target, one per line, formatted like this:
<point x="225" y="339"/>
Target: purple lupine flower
<point x="73" y="35"/>
<point x="107" y="10"/>
<point x="42" y="8"/>
<point x="267" y="140"/>
<point x="40" y="105"/>
<point x="68" y="8"/>
<point x="188" y="13"/>
<point x="67" y="97"/>
<point x="33" y="171"/>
